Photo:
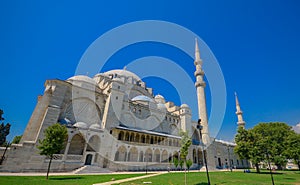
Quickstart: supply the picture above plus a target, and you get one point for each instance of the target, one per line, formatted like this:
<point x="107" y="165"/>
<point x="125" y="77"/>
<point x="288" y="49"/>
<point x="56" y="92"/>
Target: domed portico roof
<point x="142" y="98"/>
<point x="81" y="78"/>
<point x="122" y="72"/>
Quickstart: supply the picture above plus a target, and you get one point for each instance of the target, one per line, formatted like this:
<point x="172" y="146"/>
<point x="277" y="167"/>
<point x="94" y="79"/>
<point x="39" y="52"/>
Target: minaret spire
<point x="200" y="86"/>
<point x="197" y="52"/>
<point x="239" y="112"/>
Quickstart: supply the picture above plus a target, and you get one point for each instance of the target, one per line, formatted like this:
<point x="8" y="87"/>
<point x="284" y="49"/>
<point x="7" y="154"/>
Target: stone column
<point x="66" y="151"/>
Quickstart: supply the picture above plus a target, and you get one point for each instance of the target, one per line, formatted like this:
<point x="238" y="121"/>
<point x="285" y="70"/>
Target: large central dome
<point x="122" y="73"/>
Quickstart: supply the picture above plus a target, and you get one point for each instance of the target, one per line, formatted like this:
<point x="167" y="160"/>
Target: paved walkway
<point x="130" y="179"/>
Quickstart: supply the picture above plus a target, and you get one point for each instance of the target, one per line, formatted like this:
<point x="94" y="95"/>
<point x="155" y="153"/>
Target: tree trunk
<point x="257" y="168"/>
<point x="49" y="167"/>
<point x="298" y="162"/>
<point x="185" y="173"/>
<point x="279" y="166"/>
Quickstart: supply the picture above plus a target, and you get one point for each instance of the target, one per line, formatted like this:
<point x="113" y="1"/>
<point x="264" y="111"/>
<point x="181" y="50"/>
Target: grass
<point x="62" y="180"/>
<point x="230" y="178"/>
<point x="173" y="178"/>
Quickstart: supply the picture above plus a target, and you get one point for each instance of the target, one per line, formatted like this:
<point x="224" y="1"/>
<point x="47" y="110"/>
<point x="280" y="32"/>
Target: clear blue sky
<point x="257" y="44"/>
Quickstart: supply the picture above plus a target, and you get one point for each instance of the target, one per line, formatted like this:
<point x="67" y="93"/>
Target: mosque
<point x="115" y="122"/>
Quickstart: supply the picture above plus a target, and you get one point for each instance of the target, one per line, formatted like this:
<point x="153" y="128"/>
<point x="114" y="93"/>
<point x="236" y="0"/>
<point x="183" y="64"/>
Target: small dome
<point x="159" y="99"/>
<point x="184" y="106"/>
<point x="95" y="127"/>
<point x="81" y="78"/>
<point x="142" y="98"/>
<point x="80" y="125"/>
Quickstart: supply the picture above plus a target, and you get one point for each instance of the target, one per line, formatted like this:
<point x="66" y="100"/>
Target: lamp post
<point x="199" y="127"/>
<point x="145" y="159"/>
<point x="229" y="161"/>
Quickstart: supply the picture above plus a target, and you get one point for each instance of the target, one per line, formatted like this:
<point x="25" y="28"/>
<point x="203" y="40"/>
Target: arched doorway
<point x="93" y="144"/>
<point x="77" y="145"/>
<point x="88" y="159"/>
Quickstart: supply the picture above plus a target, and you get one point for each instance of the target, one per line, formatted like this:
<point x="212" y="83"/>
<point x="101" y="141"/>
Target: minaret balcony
<point x="198" y="62"/>
<point x="199" y="73"/>
<point x="200" y="84"/>
<point x="239" y="112"/>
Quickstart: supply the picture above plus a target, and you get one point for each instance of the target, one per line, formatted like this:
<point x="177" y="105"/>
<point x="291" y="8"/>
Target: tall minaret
<point x="239" y="112"/>
<point x="200" y="86"/>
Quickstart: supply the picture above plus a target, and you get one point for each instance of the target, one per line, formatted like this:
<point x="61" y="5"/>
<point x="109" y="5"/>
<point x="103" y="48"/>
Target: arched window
<point x="164" y="157"/>
<point x="157" y="155"/>
<point x="133" y="154"/>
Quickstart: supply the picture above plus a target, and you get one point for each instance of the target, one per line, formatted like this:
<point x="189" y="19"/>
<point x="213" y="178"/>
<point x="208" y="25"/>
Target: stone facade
<point x="114" y="121"/>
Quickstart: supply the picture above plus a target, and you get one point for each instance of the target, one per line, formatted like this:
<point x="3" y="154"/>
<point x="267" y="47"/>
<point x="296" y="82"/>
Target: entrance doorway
<point x="219" y="162"/>
<point x="88" y="159"/>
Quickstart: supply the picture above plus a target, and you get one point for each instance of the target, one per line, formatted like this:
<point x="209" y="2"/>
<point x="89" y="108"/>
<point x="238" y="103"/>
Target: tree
<point x="53" y="143"/>
<point x="249" y="147"/>
<point x="17" y="139"/>
<point x="176" y="162"/>
<point x="185" y="143"/>
<point x="189" y="164"/>
<point x="265" y="139"/>
<point x="4" y="130"/>
<point x="293" y="148"/>
<point x="272" y="138"/>
<point x="181" y="163"/>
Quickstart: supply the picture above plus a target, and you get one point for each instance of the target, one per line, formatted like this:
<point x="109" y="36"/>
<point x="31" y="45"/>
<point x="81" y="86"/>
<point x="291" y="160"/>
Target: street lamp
<point x="200" y="127"/>
<point x="146" y="159"/>
<point x="230" y="167"/>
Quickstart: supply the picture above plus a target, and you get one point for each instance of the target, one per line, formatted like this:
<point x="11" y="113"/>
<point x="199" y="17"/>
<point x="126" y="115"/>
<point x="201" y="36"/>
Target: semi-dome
<point x="80" y="125"/>
<point x="142" y="98"/>
<point x="81" y="78"/>
<point x="122" y="72"/>
<point x="95" y="127"/>
<point x="159" y="99"/>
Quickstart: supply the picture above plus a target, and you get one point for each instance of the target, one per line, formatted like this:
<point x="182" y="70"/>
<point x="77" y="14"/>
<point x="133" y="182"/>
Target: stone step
<point x="91" y="169"/>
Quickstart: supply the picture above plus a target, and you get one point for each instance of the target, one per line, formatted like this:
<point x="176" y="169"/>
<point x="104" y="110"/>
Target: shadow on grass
<point x="201" y="183"/>
<point x="274" y="173"/>
<point x="65" y="178"/>
<point x="289" y="178"/>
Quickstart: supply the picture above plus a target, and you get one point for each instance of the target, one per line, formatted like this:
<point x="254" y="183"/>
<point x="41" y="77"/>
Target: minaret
<point x="239" y="112"/>
<point x="200" y="86"/>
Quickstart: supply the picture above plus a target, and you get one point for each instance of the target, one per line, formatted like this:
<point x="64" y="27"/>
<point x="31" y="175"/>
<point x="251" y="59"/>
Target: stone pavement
<point x="130" y="179"/>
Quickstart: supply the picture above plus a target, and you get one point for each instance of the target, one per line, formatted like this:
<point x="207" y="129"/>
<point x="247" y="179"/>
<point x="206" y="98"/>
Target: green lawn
<point x="194" y="178"/>
<point x="238" y="178"/>
<point x="62" y="180"/>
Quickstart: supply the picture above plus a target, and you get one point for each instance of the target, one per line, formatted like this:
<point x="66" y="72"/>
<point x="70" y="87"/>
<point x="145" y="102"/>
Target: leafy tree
<point x="4" y="129"/>
<point x="189" y="164"/>
<point x="293" y="148"/>
<point x="273" y="136"/>
<point x="185" y="143"/>
<point x="265" y="138"/>
<point x="17" y="139"/>
<point x="176" y="162"/>
<point x="249" y="147"/>
<point x="53" y="143"/>
<point x="181" y="163"/>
